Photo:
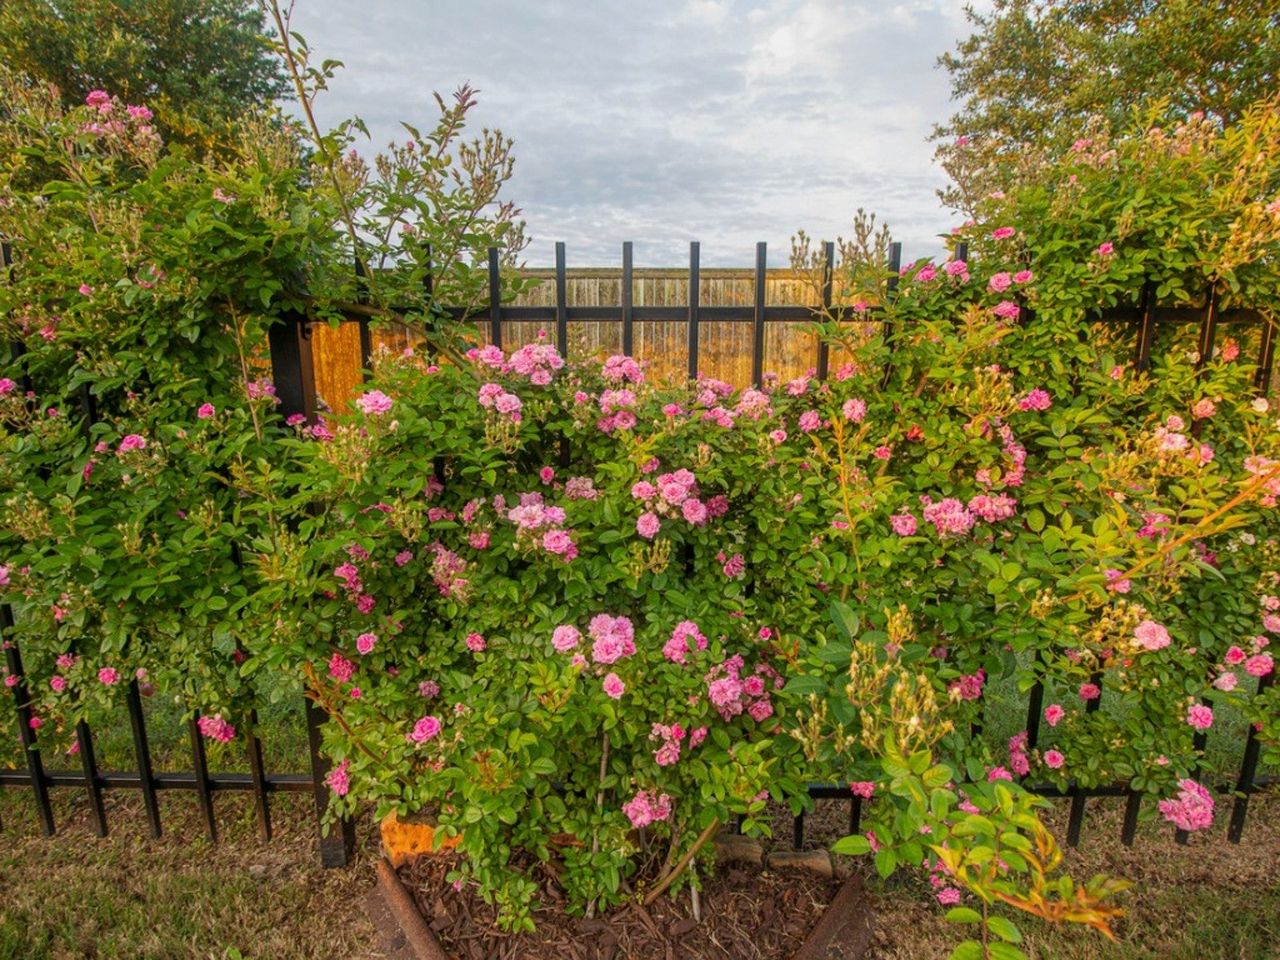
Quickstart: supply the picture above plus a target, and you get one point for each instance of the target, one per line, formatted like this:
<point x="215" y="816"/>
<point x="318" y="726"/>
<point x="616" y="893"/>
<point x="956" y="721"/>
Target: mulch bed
<point x="747" y="914"/>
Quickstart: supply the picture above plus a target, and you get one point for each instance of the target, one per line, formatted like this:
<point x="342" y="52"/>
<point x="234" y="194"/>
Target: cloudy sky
<point x="661" y="122"/>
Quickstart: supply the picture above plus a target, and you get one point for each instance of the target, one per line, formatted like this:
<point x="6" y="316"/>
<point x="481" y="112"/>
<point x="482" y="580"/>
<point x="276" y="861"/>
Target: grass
<point x="1209" y="900"/>
<point x="127" y="896"/>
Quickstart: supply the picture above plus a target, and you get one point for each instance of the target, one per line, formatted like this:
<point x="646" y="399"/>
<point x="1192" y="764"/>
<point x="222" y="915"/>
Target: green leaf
<point x="1003" y="928"/>
<point x="845" y="619"/>
<point x="963" y="915"/>
<point x="1002" y="951"/>
<point x="967" y="950"/>
<point x="855" y="845"/>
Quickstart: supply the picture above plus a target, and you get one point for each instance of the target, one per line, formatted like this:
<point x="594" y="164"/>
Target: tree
<point x="195" y="63"/>
<point x="1039" y="73"/>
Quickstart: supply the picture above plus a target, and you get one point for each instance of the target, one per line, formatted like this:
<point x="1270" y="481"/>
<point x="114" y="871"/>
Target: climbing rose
<point x="1200" y="716"/>
<point x="1151" y="635"/>
<point x="647" y="525"/>
<point x="338" y="780"/>
<point x="426" y="728"/>
<point x="1090" y="691"/>
<point x="132" y="442"/>
<point x="374" y="403"/>
<point x="1053" y="713"/>
<point x="365" y="643"/>
<point x="1037" y="399"/>
<point x="1053" y="759"/>
<point x="1192" y="809"/>
<point x="1006" y="310"/>
<point x="565" y="637"/>
<point x="206" y="411"/>
<point x="216" y="728"/>
<point x="613" y="686"/>
<point x="903" y="524"/>
<point x="340" y="668"/>
<point x="475" y="642"/>
<point x="1259" y="665"/>
<point x="855" y="409"/>
<point x="108" y="676"/>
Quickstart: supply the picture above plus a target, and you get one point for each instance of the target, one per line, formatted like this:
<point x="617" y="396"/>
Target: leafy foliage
<point x="199" y="64"/>
<point x="1039" y="74"/>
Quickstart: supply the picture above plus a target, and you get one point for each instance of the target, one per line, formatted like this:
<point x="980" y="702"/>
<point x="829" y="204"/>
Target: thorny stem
<point x="1196" y="532"/>
<point x="315" y="691"/>
<point x="683" y="862"/>
<point x="330" y="166"/>
<point x="595" y="832"/>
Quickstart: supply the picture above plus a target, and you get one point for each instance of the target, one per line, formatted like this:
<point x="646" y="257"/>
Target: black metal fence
<point x="293" y="374"/>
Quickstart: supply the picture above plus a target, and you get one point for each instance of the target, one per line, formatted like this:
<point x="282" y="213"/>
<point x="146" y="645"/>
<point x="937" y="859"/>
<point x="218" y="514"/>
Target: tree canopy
<point x="1039" y="72"/>
<point x="193" y="62"/>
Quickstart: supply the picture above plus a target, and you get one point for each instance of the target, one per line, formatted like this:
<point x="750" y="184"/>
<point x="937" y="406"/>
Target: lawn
<point x="127" y="896"/>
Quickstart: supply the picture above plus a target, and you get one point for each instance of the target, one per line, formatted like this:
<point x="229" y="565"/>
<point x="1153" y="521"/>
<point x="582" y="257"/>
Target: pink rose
<point x="1151" y="635"/>
<point x="647" y="525"/>
<point x="613" y="686"/>
<point x="1053" y="713"/>
<point x="1200" y="716"/>
<point x="374" y="403"/>
<point x="426" y="728"/>
<point x="1259" y="665"/>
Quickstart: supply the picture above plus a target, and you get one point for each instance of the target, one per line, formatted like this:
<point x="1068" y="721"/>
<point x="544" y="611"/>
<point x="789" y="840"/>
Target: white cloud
<point x="726" y="121"/>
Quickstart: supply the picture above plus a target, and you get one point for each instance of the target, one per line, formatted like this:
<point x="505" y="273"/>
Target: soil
<point x="747" y="914"/>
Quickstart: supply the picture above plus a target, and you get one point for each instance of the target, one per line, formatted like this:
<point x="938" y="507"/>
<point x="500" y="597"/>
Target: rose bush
<point x="584" y="619"/>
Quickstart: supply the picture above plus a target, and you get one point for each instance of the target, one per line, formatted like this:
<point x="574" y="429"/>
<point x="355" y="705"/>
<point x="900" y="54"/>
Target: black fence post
<point x="757" y="337"/>
<point x="495" y="299"/>
<point x="1248" y="770"/>
<point x="694" y="282"/>
<point x="293" y="372"/>
<point x="142" y="752"/>
<point x="887" y="332"/>
<point x="562" y="302"/>
<point x="828" y="280"/>
<point x="1146" y="328"/>
<point x="366" y="333"/>
<point x="337" y="846"/>
<point x="628" y="307"/>
<point x="93" y="785"/>
<point x="258" y="774"/>
<point x="26" y="733"/>
<point x="1266" y="354"/>
<point x="1075" y="818"/>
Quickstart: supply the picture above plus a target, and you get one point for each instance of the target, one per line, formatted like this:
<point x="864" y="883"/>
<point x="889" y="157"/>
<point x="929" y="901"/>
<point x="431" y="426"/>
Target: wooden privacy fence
<point x="294" y="371"/>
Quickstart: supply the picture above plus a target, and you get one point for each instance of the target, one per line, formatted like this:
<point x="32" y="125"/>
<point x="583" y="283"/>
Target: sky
<point x="665" y="121"/>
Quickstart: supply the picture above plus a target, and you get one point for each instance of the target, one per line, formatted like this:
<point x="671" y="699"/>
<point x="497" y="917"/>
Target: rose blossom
<point x="565" y="637"/>
<point x="613" y="686"/>
<point x="374" y="403"/>
<point x="1151" y="635"/>
<point x="426" y="728"/>
<point x="1259" y="665"/>
<point x="1200" y="716"/>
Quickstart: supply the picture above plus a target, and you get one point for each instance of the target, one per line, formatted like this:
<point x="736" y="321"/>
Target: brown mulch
<point x="747" y="914"/>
